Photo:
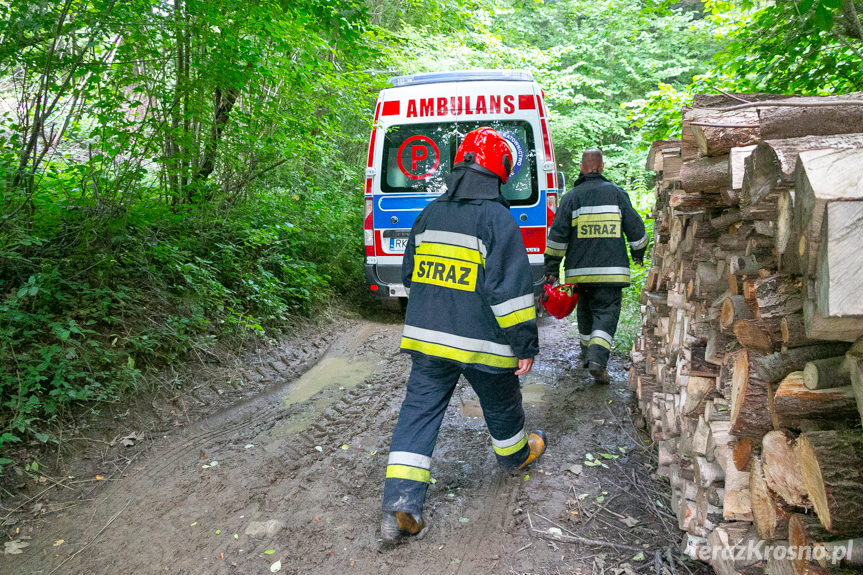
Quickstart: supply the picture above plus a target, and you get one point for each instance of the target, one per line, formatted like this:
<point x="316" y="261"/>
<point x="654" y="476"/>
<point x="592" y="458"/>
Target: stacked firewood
<point x="746" y="369"/>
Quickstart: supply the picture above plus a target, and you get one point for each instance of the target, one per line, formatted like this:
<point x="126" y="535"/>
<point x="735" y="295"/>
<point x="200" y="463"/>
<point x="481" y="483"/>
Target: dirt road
<point x="308" y="455"/>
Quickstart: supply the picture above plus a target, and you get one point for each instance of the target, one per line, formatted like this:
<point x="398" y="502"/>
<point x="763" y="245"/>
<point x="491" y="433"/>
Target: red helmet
<point x="484" y="150"/>
<point x="560" y="300"/>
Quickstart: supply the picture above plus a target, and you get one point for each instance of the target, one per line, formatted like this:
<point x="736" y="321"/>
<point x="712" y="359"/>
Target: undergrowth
<point x="90" y="299"/>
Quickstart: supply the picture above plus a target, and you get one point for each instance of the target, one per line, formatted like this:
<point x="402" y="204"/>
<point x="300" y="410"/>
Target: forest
<point x="180" y="173"/>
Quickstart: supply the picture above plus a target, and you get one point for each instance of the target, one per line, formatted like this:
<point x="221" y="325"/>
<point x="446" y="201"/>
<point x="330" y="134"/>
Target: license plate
<point x="398" y="244"/>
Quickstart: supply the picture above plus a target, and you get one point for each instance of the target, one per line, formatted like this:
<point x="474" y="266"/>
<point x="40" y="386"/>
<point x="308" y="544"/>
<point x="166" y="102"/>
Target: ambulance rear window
<point x="418" y="157"/>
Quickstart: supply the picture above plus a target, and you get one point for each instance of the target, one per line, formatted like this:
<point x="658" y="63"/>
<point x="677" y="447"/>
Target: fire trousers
<point x="430" y="387"/>
<point x="598" y="311"/>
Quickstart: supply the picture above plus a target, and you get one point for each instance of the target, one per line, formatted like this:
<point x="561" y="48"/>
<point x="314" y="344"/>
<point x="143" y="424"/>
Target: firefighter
<point x="588" y="233"/>
<point x="470" y="312"/>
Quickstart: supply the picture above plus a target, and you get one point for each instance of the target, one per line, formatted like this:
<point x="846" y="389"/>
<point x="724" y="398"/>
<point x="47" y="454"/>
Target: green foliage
<point x="172" y="173"/>
<point x="799" y="47"/>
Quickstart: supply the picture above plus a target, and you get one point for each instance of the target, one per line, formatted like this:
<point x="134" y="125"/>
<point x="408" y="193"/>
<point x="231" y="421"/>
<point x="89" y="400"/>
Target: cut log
<point x="737" y="165"/>
<point x="734" y="308"/>
<point x="750" y="399"/>
<point x="826" y="373"/>
<point x="785" y="223"/>
<point x="697" y="393"/>
<point x="761" y="335"/>
<point x="840" y="260"/>
<point x="777" y="296"/>
<point x="821" y="120"/>
<point x="716" y="133"/>
<point x="794" y="331"/>
<point x="819" y="327"/>
<point x="655" y="156"/>
<point x="831" y="463"/>
<point x="794" y="405"/>
<point x="855" y="368"/>
<point x="704" y="175"/>
<point x="781" y="471"/>
<point x="823" y="176"/>
<point x="814" y="543"/>
<point x="726" y="541"/>
<point x="769" y="515"/>
<point x="742" y="454"/>
<point x="775" y="366"/>
<point x="736" y="505"/>
<point x="771" y="166"/>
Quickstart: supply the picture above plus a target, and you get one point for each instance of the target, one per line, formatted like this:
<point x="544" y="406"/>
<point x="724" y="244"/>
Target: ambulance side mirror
<point x="561" y="182"/>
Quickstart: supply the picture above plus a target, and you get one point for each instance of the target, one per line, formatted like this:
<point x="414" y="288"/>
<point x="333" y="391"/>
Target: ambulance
<point x="419" y="124"/>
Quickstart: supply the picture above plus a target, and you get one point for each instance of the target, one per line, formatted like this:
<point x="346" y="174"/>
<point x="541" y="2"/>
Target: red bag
<point x="559" y="300"/>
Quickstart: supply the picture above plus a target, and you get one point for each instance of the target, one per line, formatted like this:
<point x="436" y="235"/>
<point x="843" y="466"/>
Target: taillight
<point x="368" y="229"/>
<point x="550" y="210"/>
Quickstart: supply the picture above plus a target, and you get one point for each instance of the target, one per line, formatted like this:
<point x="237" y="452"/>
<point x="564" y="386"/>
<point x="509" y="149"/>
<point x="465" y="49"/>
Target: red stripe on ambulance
<point x="525" y="102"/>
<point x="463" y="105"/>
<point x="392" y="108"/>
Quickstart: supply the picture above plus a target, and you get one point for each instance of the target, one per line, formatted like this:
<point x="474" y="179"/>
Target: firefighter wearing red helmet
<point x="470" y="312"/>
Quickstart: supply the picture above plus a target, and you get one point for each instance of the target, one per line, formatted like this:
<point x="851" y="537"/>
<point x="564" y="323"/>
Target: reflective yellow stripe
<point x="448" y="251"/>
<point x="597" y="279"/>
<point x="455" y="354"/>
<point x="407" y="472"/>
<point x="600" y="342"/>
<point x="518" y="316"/>
<point x="512" y="448"/>
<point x="554" y="252"/>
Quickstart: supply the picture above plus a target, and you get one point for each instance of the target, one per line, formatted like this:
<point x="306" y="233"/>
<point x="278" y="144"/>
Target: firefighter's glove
<point x="638" y="261"/>
<point x="550" y="279"/>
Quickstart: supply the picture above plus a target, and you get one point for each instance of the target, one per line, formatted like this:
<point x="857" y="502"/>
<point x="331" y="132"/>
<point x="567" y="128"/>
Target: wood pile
<point x="749" y="365"/>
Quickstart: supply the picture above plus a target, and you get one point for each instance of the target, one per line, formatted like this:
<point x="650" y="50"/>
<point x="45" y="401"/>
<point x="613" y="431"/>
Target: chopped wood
<point x="769" y="515"/>
<point x="831" y="462"/>
<point x="781" y="471"/>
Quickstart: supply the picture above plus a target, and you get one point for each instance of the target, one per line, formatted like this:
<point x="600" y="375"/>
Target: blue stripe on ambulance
<point x="406" y="208"/>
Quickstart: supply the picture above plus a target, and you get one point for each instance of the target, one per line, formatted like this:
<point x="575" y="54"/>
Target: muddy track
<point x="311" y="453"/>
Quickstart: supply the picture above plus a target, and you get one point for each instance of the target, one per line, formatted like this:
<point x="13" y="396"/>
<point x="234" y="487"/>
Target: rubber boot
<point x="536" y="441"/>
<point x="398" y="524"/>
<point x="599" y="373"/>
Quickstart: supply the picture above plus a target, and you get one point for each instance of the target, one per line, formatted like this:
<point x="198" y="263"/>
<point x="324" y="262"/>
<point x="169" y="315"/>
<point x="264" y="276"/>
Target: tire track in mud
<point x="182" y="517"/>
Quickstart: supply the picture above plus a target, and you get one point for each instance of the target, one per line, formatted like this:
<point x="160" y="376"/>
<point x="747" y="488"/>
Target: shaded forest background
<point x="177" y="173"/>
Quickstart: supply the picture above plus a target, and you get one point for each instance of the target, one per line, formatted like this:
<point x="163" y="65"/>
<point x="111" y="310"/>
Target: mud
<point x="310" y="451"/>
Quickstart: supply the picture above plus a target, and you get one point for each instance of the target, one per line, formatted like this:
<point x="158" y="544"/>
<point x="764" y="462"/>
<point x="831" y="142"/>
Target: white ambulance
<point x="419" y="124"/>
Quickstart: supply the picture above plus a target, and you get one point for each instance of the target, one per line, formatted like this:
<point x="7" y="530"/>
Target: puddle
<point x="331" y="372"/>
<point x="532" y="394"/>
<point x="326" y="382"/>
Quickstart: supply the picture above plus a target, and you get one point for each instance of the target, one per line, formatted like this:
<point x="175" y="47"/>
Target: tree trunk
<point x="831" y="463"/>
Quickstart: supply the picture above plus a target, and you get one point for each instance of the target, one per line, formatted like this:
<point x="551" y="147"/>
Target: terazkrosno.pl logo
<point x="832" y="552"/>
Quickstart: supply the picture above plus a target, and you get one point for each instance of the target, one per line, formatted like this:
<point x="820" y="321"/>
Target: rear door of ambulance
<point x="418" y="130"/>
